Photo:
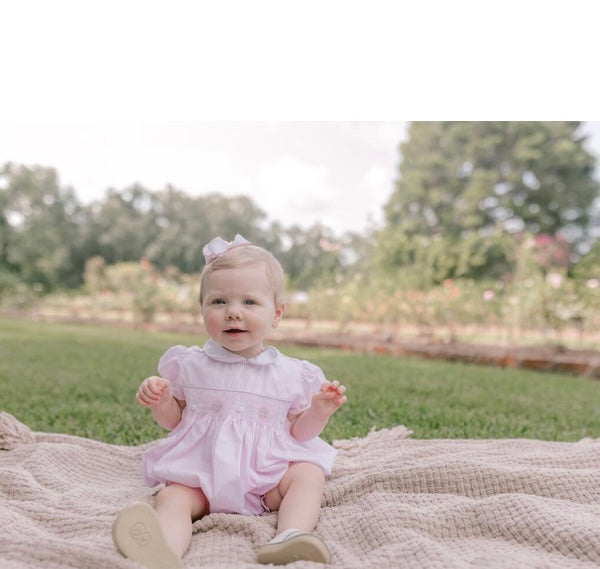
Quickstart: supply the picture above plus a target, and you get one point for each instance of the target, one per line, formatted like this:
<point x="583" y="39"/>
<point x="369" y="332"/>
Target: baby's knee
<point x="180" y="496"/>
<point x="309" y="472"/>
<point x="172" y="492"/>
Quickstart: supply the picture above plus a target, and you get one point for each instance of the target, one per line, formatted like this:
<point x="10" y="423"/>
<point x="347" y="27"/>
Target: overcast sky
<point x="115" y="92"/>
<point x="338" y="173"/>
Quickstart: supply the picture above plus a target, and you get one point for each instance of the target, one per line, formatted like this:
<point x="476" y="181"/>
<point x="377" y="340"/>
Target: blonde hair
<point x="245" y="255"/>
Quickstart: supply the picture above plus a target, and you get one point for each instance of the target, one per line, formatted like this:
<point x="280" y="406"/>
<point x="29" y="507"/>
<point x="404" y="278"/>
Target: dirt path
<point x="542" y="358"/>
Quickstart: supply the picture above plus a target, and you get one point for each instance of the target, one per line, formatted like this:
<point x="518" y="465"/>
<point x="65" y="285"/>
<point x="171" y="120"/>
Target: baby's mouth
<point x="234" y="331"/>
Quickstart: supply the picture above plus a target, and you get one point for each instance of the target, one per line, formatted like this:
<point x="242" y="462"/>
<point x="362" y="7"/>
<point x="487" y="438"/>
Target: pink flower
<point x="488" y="295"/>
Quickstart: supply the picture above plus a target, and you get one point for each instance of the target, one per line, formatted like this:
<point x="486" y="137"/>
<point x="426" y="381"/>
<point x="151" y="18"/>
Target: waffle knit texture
<point x="391" y="501"/>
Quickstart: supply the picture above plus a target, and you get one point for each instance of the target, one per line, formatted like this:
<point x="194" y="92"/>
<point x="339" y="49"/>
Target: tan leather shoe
<point x="138" y="536"/>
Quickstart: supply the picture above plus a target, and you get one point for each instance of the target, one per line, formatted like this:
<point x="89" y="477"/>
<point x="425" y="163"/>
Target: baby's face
<point x="239" y="308"/>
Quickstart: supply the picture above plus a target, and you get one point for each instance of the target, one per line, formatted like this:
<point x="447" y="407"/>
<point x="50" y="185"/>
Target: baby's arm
<point x="311" y="422"/>
<point x="155" y="392"/>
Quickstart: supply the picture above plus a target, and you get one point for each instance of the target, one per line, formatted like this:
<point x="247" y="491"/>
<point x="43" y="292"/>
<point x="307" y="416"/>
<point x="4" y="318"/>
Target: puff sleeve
<point x="169" y="367"/>
<point x="311" y="379"/>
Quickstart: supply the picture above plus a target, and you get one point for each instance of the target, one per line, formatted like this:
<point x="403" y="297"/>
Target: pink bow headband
<point x="217" y="246"/>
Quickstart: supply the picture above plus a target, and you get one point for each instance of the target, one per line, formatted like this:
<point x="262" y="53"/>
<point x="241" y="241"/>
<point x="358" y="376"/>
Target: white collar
<point x="215" y="351"/>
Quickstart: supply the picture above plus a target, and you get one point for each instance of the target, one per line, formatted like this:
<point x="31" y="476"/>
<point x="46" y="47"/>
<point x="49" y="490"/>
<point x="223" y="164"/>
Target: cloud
<point x="376" y="178"/>
<point x="377" y="184"/>
<point x="295" y="192"/>
<point x="194" y="171"/>
<point x="94" y="157"/>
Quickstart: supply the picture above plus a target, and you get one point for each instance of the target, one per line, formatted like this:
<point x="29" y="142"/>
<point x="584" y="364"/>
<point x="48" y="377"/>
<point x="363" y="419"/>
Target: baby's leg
<point x="158" y="538"/>
<point x="177" y="507"/>
<point x="298" y="497"/>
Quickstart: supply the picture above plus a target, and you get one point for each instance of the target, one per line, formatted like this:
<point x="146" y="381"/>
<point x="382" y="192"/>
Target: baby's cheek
<point x="212" y="321"/>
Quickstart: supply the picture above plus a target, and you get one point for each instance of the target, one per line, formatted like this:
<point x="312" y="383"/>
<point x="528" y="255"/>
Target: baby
<point x="245" y="422"/>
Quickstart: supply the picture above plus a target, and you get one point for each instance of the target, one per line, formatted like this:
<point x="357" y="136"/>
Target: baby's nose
<point x="233" y="312"/>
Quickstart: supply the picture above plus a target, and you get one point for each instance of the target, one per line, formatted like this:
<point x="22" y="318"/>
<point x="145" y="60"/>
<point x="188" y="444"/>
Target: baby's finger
<point x="324" y="395"/>
<point x="149" y="384"/>
<point x="145" y="399"/>
<point x="330" y="386"/>
<point x="337" y="389"/>
<point x="146" y="393"/>
<point x="155" y="384"/>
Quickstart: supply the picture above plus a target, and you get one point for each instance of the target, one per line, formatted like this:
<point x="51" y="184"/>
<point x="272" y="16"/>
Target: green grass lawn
<point x="82" y="380"/>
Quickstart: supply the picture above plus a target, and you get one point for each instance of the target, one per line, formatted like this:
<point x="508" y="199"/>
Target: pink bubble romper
<point x="234" y="438"/>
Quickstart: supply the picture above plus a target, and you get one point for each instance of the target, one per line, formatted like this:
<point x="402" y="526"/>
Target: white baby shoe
<point x="294" y="545"/>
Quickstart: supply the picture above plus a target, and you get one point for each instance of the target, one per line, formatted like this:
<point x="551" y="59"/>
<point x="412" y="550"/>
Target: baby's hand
<point x="153" y="391"/>
<point x="330" y="398"/>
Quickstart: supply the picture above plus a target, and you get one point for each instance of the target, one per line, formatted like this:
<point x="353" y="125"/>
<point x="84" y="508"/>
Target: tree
<point x="489" y="176"/>
<point x="471" y="184"/>
<point x="311" y="255"/>
<point x="120" y="227"/>
<point x="38" y="227"/>
<point x="187" y="223"/>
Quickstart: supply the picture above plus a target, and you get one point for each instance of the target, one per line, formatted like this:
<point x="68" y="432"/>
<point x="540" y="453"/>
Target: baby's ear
<point x="279" y="310"/>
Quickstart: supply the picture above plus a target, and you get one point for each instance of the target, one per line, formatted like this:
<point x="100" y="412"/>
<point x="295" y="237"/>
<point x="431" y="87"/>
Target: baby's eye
<point x="249" y="302"/>
<point x="218" y="301"/>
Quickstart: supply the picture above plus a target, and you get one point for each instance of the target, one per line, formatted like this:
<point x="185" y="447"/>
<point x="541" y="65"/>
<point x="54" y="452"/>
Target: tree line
<point x="47" y="235"/>
<point x="466" y="194"/>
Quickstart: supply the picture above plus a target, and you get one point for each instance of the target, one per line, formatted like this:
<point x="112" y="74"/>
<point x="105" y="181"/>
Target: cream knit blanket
<point x="391" y="502"/>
